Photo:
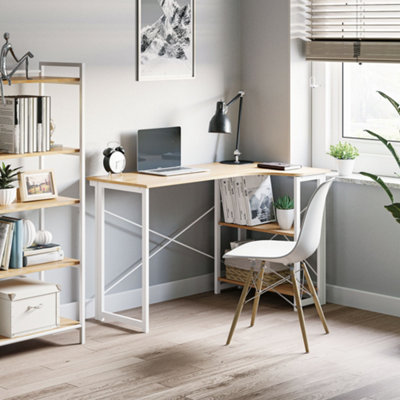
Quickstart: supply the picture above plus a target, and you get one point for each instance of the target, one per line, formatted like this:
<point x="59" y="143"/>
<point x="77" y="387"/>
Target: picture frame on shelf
<point x="165" y="39"/>
<point x="37" y="185"/>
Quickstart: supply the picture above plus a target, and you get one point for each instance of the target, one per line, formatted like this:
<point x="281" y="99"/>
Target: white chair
<point x="262" y="253"/>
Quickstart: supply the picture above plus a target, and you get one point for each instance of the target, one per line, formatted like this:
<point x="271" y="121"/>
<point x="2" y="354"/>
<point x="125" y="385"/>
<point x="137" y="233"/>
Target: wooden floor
<point x="184" y="356"/>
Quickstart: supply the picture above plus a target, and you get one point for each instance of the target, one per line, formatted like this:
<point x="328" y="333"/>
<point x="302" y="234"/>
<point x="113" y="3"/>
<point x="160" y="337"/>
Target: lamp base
<point x="233" y="162"/>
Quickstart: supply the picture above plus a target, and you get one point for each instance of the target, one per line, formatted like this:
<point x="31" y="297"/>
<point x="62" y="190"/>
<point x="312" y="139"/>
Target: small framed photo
<point x="37" y="185"/>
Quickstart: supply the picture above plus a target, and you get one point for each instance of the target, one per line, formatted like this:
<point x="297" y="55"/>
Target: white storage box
<point x="27" y="306"/>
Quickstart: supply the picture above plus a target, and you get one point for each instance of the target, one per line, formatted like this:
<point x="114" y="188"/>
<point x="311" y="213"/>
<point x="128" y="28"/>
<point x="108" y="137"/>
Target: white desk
<point x="141" y="184"/>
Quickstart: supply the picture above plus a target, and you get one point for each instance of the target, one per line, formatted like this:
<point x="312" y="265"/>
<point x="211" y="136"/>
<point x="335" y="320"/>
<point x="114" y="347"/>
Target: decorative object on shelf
<point x="7" y="48"/>
<point x="43" y="237"/>
<point x="220" y="123"/>
<point x="393" y="208"/>
<point x="8" y="192"/>
<point x="285" y="212"/>
<point x="29" y="233"/>
<point x="165" y="39"/>
<point x="53" y="144"/>
<point x="345" y="153"/>
<point x="37" y="185"/>
<point x="114" y="160"/>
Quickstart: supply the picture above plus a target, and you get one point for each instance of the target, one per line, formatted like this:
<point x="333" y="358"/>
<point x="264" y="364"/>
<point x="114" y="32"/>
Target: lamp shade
<point x="220" y="122"/>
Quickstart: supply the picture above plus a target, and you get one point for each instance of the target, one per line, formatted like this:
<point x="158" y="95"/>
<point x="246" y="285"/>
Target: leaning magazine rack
<point x="42" y="80"/>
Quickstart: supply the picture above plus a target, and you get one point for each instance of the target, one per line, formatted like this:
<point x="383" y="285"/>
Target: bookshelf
<point x="61" y="201"/>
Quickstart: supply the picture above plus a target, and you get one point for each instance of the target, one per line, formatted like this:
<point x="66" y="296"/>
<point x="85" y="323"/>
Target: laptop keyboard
<point x="171" y="169"/>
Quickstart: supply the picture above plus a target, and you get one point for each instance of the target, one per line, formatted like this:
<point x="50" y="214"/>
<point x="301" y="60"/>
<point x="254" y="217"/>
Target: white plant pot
<point x="345" y="167"/>
<point x="7" y="196"/>
<point x="285" y="218"/>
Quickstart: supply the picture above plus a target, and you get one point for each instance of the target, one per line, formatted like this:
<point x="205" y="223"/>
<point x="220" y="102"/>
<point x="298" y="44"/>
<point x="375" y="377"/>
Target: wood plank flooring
<point x="184" y="356"/>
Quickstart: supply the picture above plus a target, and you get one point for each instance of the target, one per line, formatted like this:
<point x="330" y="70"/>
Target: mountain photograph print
<point x="165" y="39"/>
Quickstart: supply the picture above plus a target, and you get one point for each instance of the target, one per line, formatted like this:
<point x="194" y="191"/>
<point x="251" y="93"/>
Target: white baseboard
<point x="133" y="298"/>
<point x="363" y="300"/>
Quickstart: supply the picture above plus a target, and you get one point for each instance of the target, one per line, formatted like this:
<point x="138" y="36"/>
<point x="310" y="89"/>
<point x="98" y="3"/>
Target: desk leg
<point x="145" y="260"/>
<point x="321" y="257"/>
<point x="217" y="238"/>
<point x="99" y="218"/>
<point x="297" y="212"/>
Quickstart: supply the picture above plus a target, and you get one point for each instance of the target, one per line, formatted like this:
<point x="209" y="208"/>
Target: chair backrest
<point x="310" y="234"/>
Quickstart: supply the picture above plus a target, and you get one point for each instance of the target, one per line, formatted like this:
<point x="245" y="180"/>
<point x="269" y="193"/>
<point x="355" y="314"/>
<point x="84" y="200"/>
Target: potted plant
<point x="8" y="192"/>
<point x="285" y="212"/>
<point x="345" y="153"/>
<point x="393" y="208"/>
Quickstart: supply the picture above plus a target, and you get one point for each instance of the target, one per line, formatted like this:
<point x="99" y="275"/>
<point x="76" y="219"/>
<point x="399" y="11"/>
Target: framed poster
<point x="37" y="185"/>
<point x="165" y="39"/>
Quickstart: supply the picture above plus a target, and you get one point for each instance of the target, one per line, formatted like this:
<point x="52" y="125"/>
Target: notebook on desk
<point x="159" y="152"/>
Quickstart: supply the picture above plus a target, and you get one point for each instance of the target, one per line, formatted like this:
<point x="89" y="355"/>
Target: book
<point x="32" y="124"/>
<point x="44" y="258"/>
<point x="5" y="260"/>
<point x="259" y="200"/>
<point x="278" y="166"/>
<point x="239" y="198"/>
<point x="4" y="228"/>
<point x="17" y="241"/>
<point x="41" y="249"/>
<point x="223" y="199"/>
<point x="9" y="125"/>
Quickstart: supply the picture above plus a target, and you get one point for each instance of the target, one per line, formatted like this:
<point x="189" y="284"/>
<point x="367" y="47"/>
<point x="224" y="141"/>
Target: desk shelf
<point x="64" y="150"/>
<point x="272" y="228"/>
<point x="44" y="79"/>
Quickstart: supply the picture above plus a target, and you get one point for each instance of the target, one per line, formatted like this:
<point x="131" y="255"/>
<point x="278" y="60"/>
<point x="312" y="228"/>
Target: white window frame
<point x="327" y="125"/>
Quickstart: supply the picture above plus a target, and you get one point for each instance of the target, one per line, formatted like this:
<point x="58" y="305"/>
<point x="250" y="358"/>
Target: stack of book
<point x="25" y="124"/>
<point x="247" y="200"/>
<point x="43" y="253"/>
<point x="11" y="242"/>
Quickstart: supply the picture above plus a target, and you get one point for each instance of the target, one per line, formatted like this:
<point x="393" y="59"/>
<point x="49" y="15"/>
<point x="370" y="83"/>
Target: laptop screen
<point x="158" y="148"/>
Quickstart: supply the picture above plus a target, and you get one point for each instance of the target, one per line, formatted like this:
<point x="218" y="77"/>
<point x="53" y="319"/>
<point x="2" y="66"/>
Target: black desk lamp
<point x="220" y="124"/>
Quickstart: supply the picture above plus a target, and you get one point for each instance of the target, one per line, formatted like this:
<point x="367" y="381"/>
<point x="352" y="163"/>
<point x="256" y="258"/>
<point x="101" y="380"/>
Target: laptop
<point x="159" y="152"/>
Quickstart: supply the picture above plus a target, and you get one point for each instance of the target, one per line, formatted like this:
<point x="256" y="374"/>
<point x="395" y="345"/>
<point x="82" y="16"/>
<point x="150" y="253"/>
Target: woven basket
<point x="240" y="275"/>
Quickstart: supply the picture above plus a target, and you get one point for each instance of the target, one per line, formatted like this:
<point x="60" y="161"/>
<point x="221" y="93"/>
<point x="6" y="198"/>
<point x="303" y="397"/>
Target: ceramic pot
<point x="29" y="232"/>
<point x="285" y="218"/>
<point x="345" y="167"/>
<point x="7" y="196"/>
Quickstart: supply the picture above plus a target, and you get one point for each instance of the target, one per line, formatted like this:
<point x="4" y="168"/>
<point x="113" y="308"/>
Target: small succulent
<point x="284" y="203"/>
<point x="7" y="176"/>
<point x="343" y="151"/>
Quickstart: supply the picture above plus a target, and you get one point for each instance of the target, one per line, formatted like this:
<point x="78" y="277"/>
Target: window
<point x="345" y="102"/>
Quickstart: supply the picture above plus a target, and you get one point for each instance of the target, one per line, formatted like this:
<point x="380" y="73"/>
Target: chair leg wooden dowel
<point x="256" y="302"/>
<point x="315" y="297"/>
<point x="240" y="306"/>
<point x="299" y="309"/>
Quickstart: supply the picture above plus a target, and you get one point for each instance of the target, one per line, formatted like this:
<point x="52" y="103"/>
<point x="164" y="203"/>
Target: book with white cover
<point x="9" y="125"/>
<point x="239" y="198"/>
<point x="224" y="197"/>
<point x="259" y="199"/>
<point x="44" y="258"/>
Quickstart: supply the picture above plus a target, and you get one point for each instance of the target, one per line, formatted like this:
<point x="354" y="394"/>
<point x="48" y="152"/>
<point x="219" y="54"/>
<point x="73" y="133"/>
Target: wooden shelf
<point x="35" y="205"/>
<point x="272" y="228"/>
<point x="67" y="262"/>
<point x="65" y="325"/>
<point x="44" y="79"/>
<point x="65" y="150"/>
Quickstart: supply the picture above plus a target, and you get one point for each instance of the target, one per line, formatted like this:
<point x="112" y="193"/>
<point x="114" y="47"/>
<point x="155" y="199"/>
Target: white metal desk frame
<point x="142" y="325"/>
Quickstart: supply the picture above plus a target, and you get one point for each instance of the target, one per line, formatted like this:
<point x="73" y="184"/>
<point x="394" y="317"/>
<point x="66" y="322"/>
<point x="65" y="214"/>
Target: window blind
<point x="353" y="30"/>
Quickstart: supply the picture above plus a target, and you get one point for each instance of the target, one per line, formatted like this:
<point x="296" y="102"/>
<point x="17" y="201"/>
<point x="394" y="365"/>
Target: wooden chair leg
<point x="240" y="306"/>
<point x="299" y="309"/>
<point x="315" y="297"/>
<point x="257" y="294"/>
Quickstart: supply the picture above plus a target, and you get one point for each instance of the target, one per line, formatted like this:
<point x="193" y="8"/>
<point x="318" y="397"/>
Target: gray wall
<point x="103" y="35"/>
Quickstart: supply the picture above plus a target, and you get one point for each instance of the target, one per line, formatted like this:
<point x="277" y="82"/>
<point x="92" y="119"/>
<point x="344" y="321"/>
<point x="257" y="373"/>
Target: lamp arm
<point x="239" y="95"/>
<point x="238" y="123"/>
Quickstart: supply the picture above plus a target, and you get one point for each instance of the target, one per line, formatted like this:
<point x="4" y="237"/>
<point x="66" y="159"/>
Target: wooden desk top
<point x="215" y="171"/>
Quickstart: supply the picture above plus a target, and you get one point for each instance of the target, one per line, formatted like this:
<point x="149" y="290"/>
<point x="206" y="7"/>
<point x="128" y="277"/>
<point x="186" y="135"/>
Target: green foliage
<point x="343" y="151"/>
<point x="393" y="208"/>
<point x="284" y="203"/>
<point x="8" y="175"/>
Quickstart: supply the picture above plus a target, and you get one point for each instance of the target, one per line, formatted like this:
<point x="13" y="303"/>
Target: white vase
<point x="345" y="167"/>
<point x="7" y="196"/>
<point x="285" y="218"/>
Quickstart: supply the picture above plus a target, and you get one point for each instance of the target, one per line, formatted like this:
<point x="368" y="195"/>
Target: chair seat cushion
<point x="268" y="250"/>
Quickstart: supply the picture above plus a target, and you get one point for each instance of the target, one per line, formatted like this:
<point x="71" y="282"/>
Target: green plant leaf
<point x="391" y="101"/>
<point x="394" y="209"/>
<point x="387" y="144"/>
<point x="378" y="180"/>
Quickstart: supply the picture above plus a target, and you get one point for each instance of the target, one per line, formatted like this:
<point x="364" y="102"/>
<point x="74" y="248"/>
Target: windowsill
<point x="392" y="183"/>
